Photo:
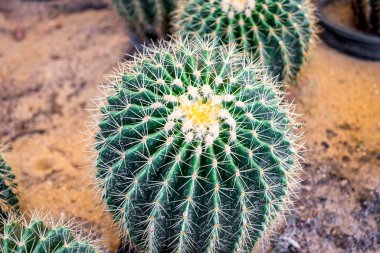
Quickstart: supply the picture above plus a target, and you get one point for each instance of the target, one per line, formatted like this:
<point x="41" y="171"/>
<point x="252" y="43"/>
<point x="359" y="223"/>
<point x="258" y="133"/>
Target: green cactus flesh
<point x="276" y="32"/>
<point x="8" y="198"/>
<point x="39" y="236"/>
<point x="195" y="149"/>
<point x="147" y="18"/>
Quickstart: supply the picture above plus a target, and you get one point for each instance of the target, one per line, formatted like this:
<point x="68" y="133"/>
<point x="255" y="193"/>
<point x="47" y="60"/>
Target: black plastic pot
<point x="346" y="39"/>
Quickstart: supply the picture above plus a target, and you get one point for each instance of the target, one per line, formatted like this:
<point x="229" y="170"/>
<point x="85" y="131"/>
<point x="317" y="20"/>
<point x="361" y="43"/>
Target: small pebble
<point x="19" y="34"/>
<point x="344" y="182"/>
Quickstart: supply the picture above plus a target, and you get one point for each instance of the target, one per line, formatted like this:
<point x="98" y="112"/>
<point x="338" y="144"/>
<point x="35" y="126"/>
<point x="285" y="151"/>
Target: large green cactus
<point x="41" y="235"/>
<point x="147" y="18"/>
<point x="8" y="198"/>
<point x="277" y="32"/>
<point x="195" y="149"/>
<point x="367" y="15"/>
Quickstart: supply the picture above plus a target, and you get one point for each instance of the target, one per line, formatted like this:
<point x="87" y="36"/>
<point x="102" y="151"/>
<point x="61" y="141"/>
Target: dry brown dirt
<point x="53" y="57"/>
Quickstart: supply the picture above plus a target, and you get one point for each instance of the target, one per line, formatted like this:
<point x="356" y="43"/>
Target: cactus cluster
<point x="42" y="235"/>
<point x="147" y="18"/>
<point x="278" y="33"/>
<point x="8" y="198"/>
<point x="196" y="149"/>
<point x="367" y="15"/>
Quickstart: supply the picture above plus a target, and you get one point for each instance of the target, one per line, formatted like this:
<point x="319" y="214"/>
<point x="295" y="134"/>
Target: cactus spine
<point x="276" y="32"/>
<point x="8" y="198"/>
<point x="42" y="235"/>
<point x="147" y="18"/>
<point x="195" y="149"/>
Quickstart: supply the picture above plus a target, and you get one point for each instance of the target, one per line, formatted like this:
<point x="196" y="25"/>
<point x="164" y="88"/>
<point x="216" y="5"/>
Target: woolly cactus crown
<point x="276" y="32"/>
<point x="8" y="198"/>
<point x="42" y="235"/>
<point x="195" y="149"/>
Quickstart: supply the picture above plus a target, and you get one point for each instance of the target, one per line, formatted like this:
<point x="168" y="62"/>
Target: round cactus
<point x="195" y="149"/>
<point x="42" y="235"/>
<point x="147" y="18"/>
<point x="276" y="32"/>
<point x="8" y="198"/>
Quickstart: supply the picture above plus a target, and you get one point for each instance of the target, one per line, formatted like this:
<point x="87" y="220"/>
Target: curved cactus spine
<point x="42" y="235"/>
<point x="8" y="197"/>
<point x="277" y="32"/>
<point x="196" y="150"/>
<point x="147" y="18"/>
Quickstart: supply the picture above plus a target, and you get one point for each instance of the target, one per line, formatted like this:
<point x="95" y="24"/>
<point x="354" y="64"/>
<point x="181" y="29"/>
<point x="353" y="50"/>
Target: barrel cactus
<point x="277" y="32"/>
<point x="196" y="149"/>
<point x="147" y="18"/>
<point x="367" y="15"/>
<point x="8" y="198"/>
<point x="42" y="235"/>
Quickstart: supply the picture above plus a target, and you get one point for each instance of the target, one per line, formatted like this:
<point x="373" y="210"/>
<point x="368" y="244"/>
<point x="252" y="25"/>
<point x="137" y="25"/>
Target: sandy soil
<point x="339" y="207"/>
<point x="54" y="55"/>
<point x="340" y="12"/>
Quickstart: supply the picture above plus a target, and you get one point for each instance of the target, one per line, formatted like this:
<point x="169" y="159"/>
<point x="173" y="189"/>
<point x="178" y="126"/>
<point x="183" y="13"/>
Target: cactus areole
<point x="195" y="149"/>
<point x="276" y="32"/>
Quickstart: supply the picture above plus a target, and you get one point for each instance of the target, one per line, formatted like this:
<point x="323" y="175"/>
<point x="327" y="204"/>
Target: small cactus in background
<point x="42" y="235"/>
<point x="8" y="198"/>
<point x="147" y="18"/>
<point x="196" y="150"/>
<point x="276" y="32"/>
<point x="367" y="15"/>
<point x="375" y="16"/>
